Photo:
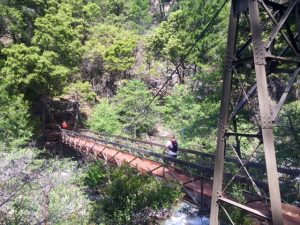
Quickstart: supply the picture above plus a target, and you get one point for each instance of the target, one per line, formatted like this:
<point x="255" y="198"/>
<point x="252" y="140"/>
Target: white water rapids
<point x="185" y="214"/>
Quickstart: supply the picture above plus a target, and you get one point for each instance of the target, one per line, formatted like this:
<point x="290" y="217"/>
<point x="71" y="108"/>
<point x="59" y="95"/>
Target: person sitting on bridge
<point x="172" y="146"/>
<point x="64" y="125"/>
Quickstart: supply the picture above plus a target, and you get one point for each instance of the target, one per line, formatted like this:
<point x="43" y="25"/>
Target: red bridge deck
<point x="118" y="156"/>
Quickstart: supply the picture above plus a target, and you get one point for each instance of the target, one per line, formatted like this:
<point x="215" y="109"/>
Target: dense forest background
<point x="111" y="57"/>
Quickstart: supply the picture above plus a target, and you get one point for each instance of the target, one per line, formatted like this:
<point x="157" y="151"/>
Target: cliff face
<point x="161" y="7"/>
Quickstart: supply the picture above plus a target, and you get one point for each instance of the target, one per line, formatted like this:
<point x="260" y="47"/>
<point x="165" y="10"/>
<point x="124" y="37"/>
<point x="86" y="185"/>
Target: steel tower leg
<point x="265" y="112"/>
<point x="277" y="55"/>
<point x="223" y="121"/>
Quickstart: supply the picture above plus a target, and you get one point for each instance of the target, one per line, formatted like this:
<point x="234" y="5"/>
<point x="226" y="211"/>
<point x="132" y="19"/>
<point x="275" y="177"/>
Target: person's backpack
<point x="175" y="146"/>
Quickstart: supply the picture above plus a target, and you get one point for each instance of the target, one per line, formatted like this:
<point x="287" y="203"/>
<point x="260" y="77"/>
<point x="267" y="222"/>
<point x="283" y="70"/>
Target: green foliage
<point x="119" y="56"/>
<point x="115" y="6"/>
<point x="72" y="197"/>
<point x="138" y="12"/>
<point x="239" y="216"/>
<point x="38" y="189"/>
<point x="132" y="14"/>
<point x="211" y="48"/>
<point x="17" y="18"/>
<point x="56" y="32"/>
<point x="104" y="118"/>
<point x="132" y="99"/>
<point x="27" y="70"/>
<point x="41" y="64"/>
<point x="82" y="90"/>
<point x="194" y="120"/>
<point x="95" y="175"/>
<point x="50" y="74"/>
<point x="288" y="135"/>
<point x="173" y="38"/>
<point x="19" y="66"/>
<point x="15" y="126"/>
<point x="114" y="45"/>
<point x="130" y="193"/>
<point x="168" y="40"/>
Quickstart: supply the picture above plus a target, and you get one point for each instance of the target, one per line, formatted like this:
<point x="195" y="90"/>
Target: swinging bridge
<point x="194" y="170"/>
<point x="262" y="48"/>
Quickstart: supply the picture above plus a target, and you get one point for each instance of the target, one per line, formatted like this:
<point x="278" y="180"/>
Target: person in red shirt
<point x="64" y="125"/>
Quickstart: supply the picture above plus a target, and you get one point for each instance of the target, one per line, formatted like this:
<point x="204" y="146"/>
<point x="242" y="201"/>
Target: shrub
<point x="38" y="190"/>
<point x="95" y="175"/>
<point x="129" y="193"/>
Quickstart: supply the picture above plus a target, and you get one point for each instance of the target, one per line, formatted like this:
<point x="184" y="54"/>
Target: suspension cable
<point x="200" y="36"/>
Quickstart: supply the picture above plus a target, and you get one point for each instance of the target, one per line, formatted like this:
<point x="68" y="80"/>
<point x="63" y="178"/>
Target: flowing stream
<point x="185" y="214"/>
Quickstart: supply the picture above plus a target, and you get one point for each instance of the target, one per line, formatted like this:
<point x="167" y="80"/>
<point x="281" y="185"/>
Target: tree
<point x="138" y="12"/>
<point x="43" y="64"/>
<point x="27" y="70"/>
<point x="132" y="99"/>
<point x="174" y="37"/>
<point x="195" y="121"/>
<point x="109" y="55"/>
<point x="17" y="18"/>
<point x="131" y="14"/>
<point x="115" y="45"/>
<point x="81" y="91"/>
<point x="56" y="32"/>
<point x="15" y="126"/>
<point x="19" y="66"/>
<point x="169" y="42"/>
<point x="211" y="47"/>
<point x="104" y="118"/>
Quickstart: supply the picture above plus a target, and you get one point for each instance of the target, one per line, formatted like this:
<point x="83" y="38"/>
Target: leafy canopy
<point x="131" y="14"/>
<point x="82" y="91"/>
<point x="104" y="118"/>
<point x="115" y="45"/>
<point x="132" y="99"/>
<point x="194" y="120"/>
<point x="27" y="68"/>
<point x="15" y="125"/>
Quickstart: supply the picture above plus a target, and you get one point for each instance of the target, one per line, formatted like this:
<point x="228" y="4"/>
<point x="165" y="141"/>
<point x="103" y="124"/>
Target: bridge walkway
<point x="151" y="162"/>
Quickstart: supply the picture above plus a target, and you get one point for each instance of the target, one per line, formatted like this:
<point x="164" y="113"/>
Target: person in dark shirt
<point x="172" y="146"/>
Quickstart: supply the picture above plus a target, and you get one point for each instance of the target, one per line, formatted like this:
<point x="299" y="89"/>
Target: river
<point x="185" y="214"/>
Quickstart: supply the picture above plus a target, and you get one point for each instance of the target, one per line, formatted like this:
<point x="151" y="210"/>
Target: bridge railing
<point x="205" y="171"/>
<point x="208" y="157"/>
<point x="257" y="170"/>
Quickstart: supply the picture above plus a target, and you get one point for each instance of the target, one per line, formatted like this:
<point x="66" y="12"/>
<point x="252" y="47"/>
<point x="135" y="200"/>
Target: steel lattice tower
<point x="262" y="52"/>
